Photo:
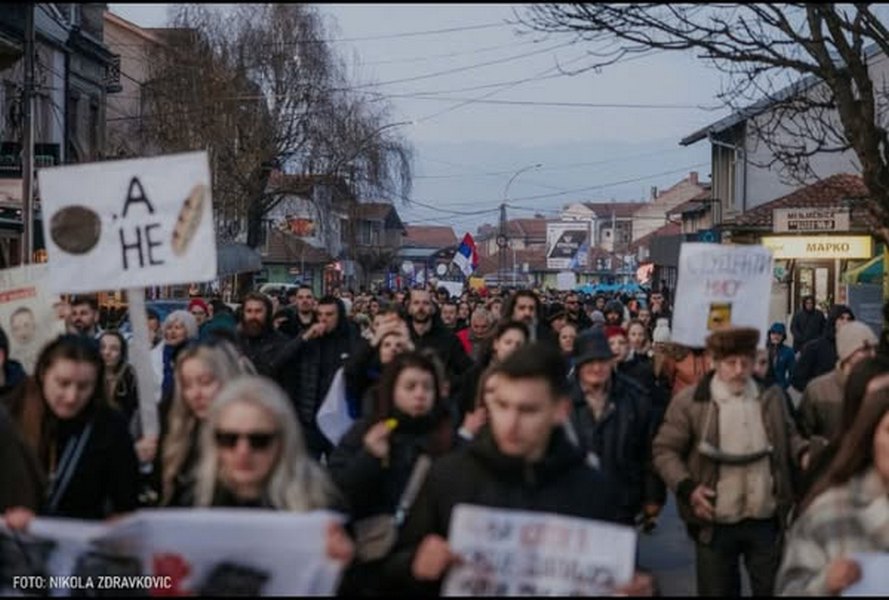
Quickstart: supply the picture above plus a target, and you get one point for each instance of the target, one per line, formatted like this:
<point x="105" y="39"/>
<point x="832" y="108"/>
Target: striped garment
<point x="843" y="520"/>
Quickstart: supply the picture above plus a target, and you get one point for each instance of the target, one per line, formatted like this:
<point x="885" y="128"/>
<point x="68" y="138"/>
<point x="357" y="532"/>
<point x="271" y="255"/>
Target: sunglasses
<point x="258" y="440"/>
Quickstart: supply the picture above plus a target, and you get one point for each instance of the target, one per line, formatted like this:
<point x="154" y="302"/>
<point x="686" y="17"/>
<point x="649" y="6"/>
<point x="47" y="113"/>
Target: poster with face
<point x="129" y="223"/>
<point x="28" y="312"/>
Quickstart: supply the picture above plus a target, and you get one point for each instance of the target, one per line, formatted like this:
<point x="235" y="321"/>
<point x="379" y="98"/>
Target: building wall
<point x="652" y="215"/>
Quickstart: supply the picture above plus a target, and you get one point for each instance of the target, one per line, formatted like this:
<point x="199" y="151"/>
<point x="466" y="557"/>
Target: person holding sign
<point x="846" y="513"/>
<point x="521" y="461"/>
<point x="727" y="448"/>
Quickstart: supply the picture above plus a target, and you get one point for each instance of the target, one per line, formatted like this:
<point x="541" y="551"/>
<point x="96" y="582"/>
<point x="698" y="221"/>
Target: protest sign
<point x="219" y="552"/>
<point x="129" y="223"/>
<point x="520" y="553"/>
<point x="720" y="286"/>
<point x="454" y="288"/>
<point x="27" y="312"/>
<point x="874" y="574"/>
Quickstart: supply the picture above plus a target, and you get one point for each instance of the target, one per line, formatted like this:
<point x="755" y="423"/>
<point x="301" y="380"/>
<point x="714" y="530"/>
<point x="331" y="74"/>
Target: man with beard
<point x="575" y="313"/>
<point x="310" y="362"/>
<point x="258" y="339"/>
<point x="300" y="312"/>
<point x="449" y="315"/>
<point x="427" y="331"/>
<point x="84" y="317"/>
<point x="524" y="306"/>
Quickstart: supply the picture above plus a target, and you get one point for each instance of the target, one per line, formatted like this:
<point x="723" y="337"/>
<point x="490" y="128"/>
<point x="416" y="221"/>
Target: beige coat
<point x="682" y="467"/>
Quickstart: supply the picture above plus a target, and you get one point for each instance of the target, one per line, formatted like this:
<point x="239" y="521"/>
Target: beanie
<point x="852" y="337"/>
<point x="199" y="303"/>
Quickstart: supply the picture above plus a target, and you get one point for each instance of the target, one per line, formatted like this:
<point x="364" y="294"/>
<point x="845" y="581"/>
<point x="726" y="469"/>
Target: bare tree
<point x="262" y="90"/>
<point x="825" y="51"/>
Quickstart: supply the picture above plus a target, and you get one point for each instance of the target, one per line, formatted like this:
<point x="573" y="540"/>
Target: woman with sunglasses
<point x="120" y="377"/>
<point x="202" y="370"/>
<point x="845" y="513"/>
<point x="83" y="445"/>
<point x="378" y="456"/>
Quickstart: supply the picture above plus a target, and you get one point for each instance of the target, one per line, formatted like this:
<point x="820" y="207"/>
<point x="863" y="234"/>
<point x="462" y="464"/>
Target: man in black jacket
<point x="257" y="337"/>
<point x="427" y="331"/>
<point x="575" y="312"/>
<point x="521" y="461"/>
<point x="820" y="355"/>
<point x="807" y="324"/>
<point x="300" y="311"/>
<point x="524" y="306"/>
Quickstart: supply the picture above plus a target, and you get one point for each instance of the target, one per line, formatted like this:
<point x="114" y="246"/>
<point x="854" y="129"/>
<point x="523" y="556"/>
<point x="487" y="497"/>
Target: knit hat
<point x="661" y="333"/>
<point x="597" y="317"/>
<point x="733" y="341"/>
<point x="614" y="330"/>
<point x="852" y="337"/>
<point x="778" y="327"/>
<point x="199" y="303"/>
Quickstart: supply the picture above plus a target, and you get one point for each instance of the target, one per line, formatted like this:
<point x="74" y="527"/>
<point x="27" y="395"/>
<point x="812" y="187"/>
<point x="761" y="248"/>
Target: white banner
<point x="174" y="553"/>
<point x="129" y="223"/>
<point x="27" y="312"/>
<point x="521" y="553"/>
<point x="566" y="280"/>
<point x="720" y="286"/>
<point x="563" y="241"/>
<point x="874" y="574"/>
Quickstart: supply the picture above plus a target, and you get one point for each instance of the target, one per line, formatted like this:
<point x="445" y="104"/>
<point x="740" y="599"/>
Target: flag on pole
<point x="466" y="257"/>
<point x="581" y="257"/>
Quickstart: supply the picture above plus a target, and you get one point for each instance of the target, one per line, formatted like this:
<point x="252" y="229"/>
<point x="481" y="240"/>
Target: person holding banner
<point x="845" y="513"/>
<point x="84" y="446"/>
<point x="521" y="461"/>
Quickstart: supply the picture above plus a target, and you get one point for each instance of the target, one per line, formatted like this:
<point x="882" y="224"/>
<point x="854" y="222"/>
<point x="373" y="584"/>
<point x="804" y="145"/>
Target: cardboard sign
<point x="721" y="286"/>
<point x="129" y="223"/>
<point x="27" y="312"/>
<point x="520" y="553"/>
<point x="186" y="552"/>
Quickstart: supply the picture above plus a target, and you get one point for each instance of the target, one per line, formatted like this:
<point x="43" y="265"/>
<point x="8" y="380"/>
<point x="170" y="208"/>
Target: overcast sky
<point x="466" y="152"/>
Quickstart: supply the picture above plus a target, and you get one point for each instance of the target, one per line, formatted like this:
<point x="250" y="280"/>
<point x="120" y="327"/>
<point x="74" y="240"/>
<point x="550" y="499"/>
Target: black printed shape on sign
<point x="229" y="579"/>
<point x="75" y="229"/>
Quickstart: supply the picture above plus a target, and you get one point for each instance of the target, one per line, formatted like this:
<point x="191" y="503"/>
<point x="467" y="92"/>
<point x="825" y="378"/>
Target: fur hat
<point x="852" y="337"/>
<point x="733" y="341"/>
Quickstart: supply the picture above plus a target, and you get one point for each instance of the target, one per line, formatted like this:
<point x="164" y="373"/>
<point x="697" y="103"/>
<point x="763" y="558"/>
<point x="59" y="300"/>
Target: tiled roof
<point x="697" y="204"/>
<point x="527" y="228"/>
<point x="622" y="210"/>
<point x="285" y="248"/>
<point x="645" y="240"/>
<point x="837" y="191"/>
<point x="430" y="236"/>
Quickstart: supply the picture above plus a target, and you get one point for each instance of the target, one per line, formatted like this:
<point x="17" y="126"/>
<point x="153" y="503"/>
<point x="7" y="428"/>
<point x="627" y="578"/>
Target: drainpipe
<point x="737" y="150"/>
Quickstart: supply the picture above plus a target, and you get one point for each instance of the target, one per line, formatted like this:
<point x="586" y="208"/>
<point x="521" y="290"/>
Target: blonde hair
<point x="223" y="361"/>
<point x="297" y="483"/>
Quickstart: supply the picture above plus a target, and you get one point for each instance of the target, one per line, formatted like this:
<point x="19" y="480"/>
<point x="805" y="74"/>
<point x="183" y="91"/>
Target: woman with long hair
<point x="845" y="513"/>
<point x="83" y="445"/>
<point x="120" y="377"/>
<point x="201" y="371"/>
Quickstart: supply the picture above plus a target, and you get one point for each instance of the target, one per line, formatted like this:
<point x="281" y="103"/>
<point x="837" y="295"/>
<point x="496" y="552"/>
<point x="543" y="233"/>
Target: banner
<point x="874" y="573"/>
<point x="720" y="286"/>
<point x="173" y="553"/>
<point x="563" y="242"/>
<point x="521" y="553"/>
<point x="129" y="223"/>
<point x="27" y="312"/>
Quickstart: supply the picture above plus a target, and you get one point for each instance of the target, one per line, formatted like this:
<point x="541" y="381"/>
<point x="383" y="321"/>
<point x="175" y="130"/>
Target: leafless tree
<point x="261" y="89"/>
<point x="825" y="52"/>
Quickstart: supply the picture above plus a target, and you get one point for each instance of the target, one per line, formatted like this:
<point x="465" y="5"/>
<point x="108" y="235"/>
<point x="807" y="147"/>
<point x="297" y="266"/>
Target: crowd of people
<point x="778" y="455"/>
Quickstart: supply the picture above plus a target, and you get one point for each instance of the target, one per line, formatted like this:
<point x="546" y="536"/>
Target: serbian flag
<point x="466" y="257"/>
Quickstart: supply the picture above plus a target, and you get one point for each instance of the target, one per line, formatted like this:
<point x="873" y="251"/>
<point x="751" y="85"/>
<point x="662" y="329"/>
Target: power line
<point x="446" y="55"/>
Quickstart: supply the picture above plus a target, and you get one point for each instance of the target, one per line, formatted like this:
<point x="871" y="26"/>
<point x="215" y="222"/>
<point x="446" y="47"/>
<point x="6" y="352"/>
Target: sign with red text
<point x="721" y="286"/>
<point x="129" y="223"/>
<point x="522" y="553"/>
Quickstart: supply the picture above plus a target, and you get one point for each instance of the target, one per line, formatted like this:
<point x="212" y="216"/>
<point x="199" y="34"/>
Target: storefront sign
<point x="814" y="247"/>
<point x="809" y="220"/>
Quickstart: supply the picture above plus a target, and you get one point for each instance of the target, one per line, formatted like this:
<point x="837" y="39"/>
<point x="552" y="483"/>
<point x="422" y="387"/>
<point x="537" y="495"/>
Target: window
<point x="94" y="131"/>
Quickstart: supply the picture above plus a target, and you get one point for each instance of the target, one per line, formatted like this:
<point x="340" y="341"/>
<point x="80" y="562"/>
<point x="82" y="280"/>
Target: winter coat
<point x="221" y="321"/>
<point x="582" y="321"/>
<point x="820" y="355"/>
<point x="362" y="373"/>
<point x="684" y="369"/>
<point x="562" y="482"/>
<point x="264" y="351"/>
<point x="446" y="345"/>
<point x="782" y="361"/>
<point x="21" y="478"/>
<point x="806" y="325"/>
<point x="620" y="442"/>
<point x="843" y="520"/>
<point x="820" y="413"/>
<point x="14" y="374"/>
<point x="682" y="466"/>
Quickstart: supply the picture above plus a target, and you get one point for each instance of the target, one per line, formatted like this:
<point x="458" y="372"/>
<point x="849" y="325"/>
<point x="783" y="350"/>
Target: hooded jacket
<point x="265" y="350"/>
<point x="782" y="359"/>
<point x="561" y="482"/>
<point x="806" y="325"/>
<point x="446" y="345"/>
<point x="14" y="374"/>
<point x="820" y="355"/>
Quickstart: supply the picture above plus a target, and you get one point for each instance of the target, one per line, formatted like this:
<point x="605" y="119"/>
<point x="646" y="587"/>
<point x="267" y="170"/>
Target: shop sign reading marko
<point x="820" y="247"/>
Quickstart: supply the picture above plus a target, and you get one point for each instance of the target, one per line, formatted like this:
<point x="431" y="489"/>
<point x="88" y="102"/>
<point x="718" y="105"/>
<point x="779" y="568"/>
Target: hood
<point x="779" y="328"/>
<point x="342" y="322"/>
<point x="835" y="311"/>
<point x="560" y="456"/>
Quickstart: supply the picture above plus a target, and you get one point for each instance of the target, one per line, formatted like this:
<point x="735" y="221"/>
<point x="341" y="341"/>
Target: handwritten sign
<point x="27" y="312"/>
<point x="520" y="553"/>
<point x="720" y="286"/>
<point x="129" y="223"/>
<point x="174" y="553"/>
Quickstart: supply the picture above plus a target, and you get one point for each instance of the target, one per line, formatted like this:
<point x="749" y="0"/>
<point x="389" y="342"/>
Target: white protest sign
<point x="566" y="280"/>
<point x="129" y="223"/>
<point x="454" y="288"/>
<point x="27" y="312"/>
<point x="520" y="553"/>
<point x="186" y="552"/>
<point x="719" y="286"/>
<point x="874" y="575"/>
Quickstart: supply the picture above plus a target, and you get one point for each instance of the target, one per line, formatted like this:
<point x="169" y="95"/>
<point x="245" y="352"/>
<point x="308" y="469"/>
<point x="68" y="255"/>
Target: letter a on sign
<point x="136" y="186"/>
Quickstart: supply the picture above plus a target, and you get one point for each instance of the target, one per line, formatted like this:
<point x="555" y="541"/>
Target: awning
<point x="232" y="259"/>
<point x="869" y="272"/>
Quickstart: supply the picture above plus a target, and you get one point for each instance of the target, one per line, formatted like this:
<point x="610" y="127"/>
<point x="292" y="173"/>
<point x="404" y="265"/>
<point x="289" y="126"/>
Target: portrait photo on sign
<point x="720" y="315"/>
<point x="27" y="313"/>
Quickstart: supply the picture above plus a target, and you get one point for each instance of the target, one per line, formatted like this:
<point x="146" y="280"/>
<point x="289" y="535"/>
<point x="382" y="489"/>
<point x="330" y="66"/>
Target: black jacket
<point x="621" y="442"/>
<point x="14" y="374"/>
<point x="362" y="371"/>
<point x="820" y="355"/>
<point x="562" y="482"/>
<point x="105" y="479"/>
<point x="264" y="351"/>
<point x="806" y="325"/>
<point x="446" y="344"/>
<point x="582" y="322"/>
<point x="21" y="478"/>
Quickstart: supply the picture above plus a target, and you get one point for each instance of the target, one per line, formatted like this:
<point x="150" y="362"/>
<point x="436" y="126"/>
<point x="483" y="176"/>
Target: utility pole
<point x="28" y="141"/>
<point x="502" y="241"/>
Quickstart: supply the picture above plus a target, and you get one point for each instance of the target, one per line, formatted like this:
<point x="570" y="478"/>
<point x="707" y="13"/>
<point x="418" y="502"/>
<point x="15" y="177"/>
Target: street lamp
<point x="502" y="241"/>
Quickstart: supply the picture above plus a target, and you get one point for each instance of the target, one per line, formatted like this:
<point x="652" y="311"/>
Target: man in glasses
<point x="575" y="313"/>
<point x="727" y="449"/>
